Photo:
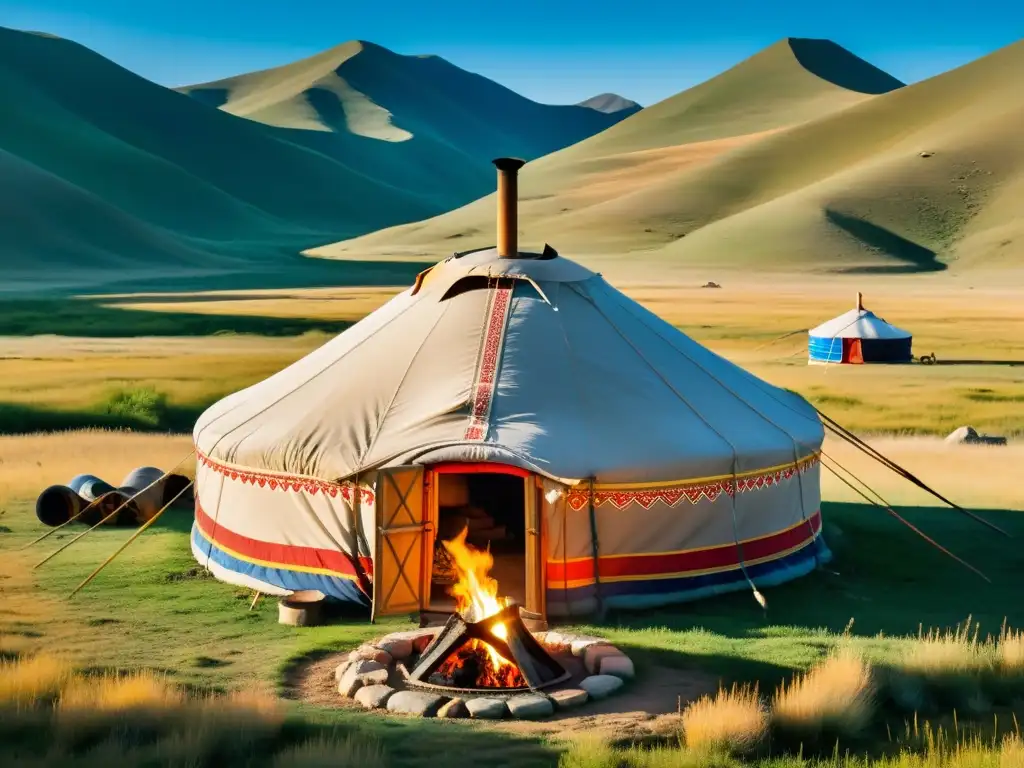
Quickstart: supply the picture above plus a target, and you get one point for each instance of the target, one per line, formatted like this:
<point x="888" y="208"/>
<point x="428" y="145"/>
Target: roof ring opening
<point x="470" y="283"/>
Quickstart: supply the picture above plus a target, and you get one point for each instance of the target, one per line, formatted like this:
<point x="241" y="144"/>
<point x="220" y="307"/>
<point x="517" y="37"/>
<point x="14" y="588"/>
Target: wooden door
<point x="536" y="593"/>
<point x="400" y="556"/>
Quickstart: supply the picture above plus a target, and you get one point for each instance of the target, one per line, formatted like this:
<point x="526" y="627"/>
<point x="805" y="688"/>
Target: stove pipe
<point x="508" y="194"/>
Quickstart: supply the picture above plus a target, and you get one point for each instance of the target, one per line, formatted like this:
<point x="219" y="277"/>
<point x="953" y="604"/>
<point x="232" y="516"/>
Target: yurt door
<point x="402" y="526"/>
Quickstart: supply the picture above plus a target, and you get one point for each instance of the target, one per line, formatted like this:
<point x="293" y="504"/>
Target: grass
<point x="976" y="332"/>
<point x="733" y="721"/>
<point x="53" y="714"/>
<point x="833" y="699"/>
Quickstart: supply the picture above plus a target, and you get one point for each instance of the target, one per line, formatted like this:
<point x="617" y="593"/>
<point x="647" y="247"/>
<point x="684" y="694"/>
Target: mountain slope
<point x="790" y="82"/>
<point x="611" y="103"/>
<point x="128" y="175"/>
<point x="363" y="89"/>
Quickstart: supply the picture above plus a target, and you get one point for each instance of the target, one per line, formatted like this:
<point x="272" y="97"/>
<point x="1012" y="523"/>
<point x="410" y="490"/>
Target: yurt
<point x="856" y="337"/>
<point x="603" y="457"/>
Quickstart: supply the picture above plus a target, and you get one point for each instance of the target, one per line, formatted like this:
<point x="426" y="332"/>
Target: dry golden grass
<point x="1010" y="651"/>
<point x="30" y="463"/>
<point x="27" y="681"/>
<point x="733" y="720"/>
<point x="835" y="697"/>
<point x="950" y="652"/>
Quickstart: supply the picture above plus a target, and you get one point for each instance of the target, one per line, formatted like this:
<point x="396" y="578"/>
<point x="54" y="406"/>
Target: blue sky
<point x="554" y="51"/>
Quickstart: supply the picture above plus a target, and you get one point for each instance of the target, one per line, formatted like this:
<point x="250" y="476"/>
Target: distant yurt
<point x="604" y="458"/>
<point x="858" y="336"/>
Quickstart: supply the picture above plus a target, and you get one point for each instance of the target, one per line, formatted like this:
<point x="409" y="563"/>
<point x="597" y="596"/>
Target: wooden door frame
<point x="531" y="484"/>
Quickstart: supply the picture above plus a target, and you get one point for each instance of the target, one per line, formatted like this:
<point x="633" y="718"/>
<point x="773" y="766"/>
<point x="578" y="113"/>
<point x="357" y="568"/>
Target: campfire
<point x="484" y="645"/>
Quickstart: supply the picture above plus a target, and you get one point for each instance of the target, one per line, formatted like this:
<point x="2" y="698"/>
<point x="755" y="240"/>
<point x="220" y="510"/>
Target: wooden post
<point x="508" y="202"/>
<point x="860" y="301"/>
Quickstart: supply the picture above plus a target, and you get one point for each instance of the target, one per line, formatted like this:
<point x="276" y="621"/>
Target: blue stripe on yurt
<point x="340" y="589"/>
<point x="825" y="349"/>
<point x="655" y="593"/>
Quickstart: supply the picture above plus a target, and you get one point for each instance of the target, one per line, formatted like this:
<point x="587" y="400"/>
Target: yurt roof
<point x="526" y="359"/>
<point x="858" y="324"/>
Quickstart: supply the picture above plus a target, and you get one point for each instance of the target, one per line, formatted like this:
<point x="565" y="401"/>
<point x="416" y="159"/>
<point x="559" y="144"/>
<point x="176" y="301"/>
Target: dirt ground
<point x="647" y="707"/>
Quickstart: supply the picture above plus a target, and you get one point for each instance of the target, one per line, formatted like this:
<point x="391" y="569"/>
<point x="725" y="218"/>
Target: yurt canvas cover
<point x="656" y="470"/>
<point x="859" y="336"/>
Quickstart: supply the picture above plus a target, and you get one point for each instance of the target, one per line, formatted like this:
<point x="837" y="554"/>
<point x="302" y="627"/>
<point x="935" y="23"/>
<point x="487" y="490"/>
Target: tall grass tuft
<point x="834" y="699"/>
<point x="34" y="680"/>
<point x="733" y="721"/>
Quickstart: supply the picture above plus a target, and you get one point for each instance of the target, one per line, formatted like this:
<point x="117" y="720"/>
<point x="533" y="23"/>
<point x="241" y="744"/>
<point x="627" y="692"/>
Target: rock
<point x="593" y="654"/>
<point x="925" y="154"/>
<point x="530" y="707"/>
<point x="619" y="666"/>
<point x="454" y="708"/>
<point x="557" y="639"/>
<point x="486" y="709"/>
<point x="601" y="686"/>
<point x="374" y="696"/>
<point x="569" y="698"/>
<point x="415" y="703"/>
<point x="370" y="653"/>
<point x="374" y="677"/>
<point x="398" y="649"/>
<point x="420" y="638"/>
<point x="352" y="680"/>
<point x="339" y="670"/>
<point x="711" y="284"/>
<point x="580" y="644"/>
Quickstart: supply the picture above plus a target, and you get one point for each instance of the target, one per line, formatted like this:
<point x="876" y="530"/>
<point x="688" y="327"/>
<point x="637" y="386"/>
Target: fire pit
<point x="484" y="662"/>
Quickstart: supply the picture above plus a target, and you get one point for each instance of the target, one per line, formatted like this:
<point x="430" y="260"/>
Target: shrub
<point x="137" y="405"/>
<point x="733" y="721"/>
<point x="835" y="698"/>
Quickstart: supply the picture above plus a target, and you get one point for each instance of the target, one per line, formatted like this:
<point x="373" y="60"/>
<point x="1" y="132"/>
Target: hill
<point x="117" y="175"/>
<point x="801" y="157"/>
<point x="363" y="89"/>
<point x="611" y="103"/>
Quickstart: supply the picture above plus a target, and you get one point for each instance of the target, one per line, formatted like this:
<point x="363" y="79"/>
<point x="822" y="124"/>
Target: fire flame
<point x="476" y="598"/>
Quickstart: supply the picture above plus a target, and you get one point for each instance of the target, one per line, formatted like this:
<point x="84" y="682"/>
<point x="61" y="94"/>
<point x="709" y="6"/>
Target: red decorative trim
<point x="281" y="482"/>
<point x="692" y="491"/>
<point x="477" y="468"/>
<point x="721" y="557"/>
<point x="486" y="377"/>
<point x="284" y="556"/>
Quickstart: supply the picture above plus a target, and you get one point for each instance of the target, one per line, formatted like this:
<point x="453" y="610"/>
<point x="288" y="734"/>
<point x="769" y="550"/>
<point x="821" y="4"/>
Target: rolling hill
<point x="611" y="103"/>
<point x="801" y="157"/>
<point x="107" y="174"/>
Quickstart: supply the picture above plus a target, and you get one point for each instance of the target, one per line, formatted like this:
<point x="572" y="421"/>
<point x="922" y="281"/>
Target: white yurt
<point x="604" y="458"/>
<point x="857" y="337"/>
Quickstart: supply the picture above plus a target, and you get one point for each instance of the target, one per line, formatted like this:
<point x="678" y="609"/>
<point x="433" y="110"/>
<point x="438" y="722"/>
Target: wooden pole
<point x="89" y="506"/>
<point x="254" y="599"/>
<point x="132" y="538"/>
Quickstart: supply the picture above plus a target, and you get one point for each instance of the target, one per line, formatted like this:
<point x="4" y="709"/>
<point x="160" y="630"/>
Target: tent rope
<point x="735" y="454"/>
<point x="827" y="461"/>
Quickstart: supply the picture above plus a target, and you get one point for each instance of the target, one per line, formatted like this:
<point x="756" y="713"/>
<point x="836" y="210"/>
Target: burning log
<point x="464" y="651"/>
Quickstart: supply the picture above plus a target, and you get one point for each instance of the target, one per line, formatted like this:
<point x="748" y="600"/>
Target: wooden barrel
<point x="58" y="504"/>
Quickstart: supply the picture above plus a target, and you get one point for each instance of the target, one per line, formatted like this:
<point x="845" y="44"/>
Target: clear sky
<point x="554" y="51"/>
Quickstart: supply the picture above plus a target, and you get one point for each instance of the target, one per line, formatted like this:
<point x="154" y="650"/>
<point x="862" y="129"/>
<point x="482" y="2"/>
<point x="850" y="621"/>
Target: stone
<point x="352" y="680"/>
<point x="601" y="686"/>
<point x="415" y="703"/>
<point x="374" y="696"/>
<point x="580" y="644"/>
<point x="370" y="653"/>
<point x="619" y="666"/>
<point x="530" y="707"/>
<point x="339" y="670"/>
<point x="374" y="677"/>
<point x="558" y="639"/>
<point x="420" y="643"/>
<point x="970" y="436"/>
<point x="568" y="698"/>
<point x="484" y="708"/>
<point x="453" y="709"/>
<point x="398" y="649"/>
<point x="593" y="654"/>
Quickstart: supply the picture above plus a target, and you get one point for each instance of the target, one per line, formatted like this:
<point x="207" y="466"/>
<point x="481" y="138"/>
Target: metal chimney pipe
<point x="508" y="204"/>
<point x="860" y="301"/>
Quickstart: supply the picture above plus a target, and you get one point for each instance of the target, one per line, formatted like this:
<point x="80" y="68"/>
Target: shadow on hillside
<point x="883" y="576"/>
<point x="835" y="64"/>
<point x="914" y="257"/>
<point x="86" y="317"/>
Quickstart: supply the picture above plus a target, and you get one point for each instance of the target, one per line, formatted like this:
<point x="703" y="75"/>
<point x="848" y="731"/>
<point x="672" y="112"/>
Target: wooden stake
<point x="254" y="599"/>
<point x="132" y="538"/>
